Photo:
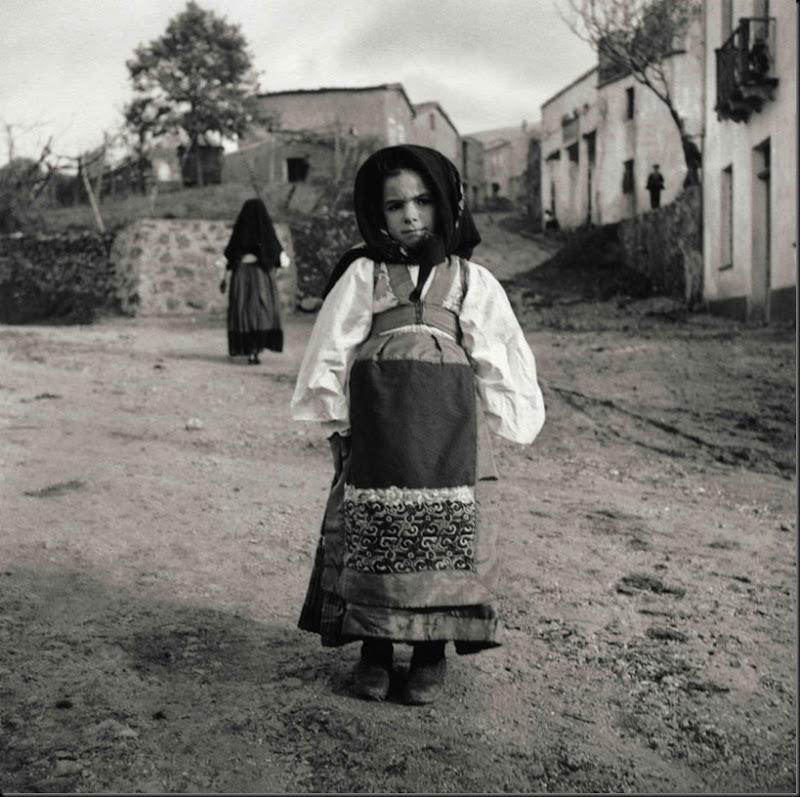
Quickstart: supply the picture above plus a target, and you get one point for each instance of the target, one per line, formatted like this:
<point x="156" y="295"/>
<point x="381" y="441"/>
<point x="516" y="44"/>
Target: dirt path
<point x="160" y="511"/>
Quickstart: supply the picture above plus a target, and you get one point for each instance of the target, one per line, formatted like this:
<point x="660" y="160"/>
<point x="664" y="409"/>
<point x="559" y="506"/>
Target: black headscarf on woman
<point x="456" y="233"/>
<point x="253" y="234"/>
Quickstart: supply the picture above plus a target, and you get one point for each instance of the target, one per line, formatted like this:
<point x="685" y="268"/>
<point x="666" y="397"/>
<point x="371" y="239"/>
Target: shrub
<point x="319" y="241"/>
<point x="65" y="278"/>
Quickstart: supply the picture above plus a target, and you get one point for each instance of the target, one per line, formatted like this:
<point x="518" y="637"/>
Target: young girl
<point x="252" y="254"/>
<point x="415" y="351"/>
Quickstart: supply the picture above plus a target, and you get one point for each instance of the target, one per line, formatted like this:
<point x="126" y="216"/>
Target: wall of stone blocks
<point x="177" y="265"/>
<point x="666" y="244"/>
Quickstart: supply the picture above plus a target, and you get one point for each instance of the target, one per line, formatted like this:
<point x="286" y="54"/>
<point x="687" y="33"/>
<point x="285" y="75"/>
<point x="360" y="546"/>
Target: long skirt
<point x="404" y="552"/>
<point x="254" y="318"/>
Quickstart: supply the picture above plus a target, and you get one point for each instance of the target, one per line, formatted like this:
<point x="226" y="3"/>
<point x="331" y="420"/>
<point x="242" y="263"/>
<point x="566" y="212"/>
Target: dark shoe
<point x="426" y="674"/>
<point x="373" y="672"/>
<point x="253" y="359"/>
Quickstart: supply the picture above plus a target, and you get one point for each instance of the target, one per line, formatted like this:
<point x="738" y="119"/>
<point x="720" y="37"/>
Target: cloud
<point x="515" y="39"/>
<point x="493" y="61"/>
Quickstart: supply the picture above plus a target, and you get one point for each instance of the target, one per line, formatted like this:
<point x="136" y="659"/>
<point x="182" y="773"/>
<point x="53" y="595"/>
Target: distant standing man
<point x="655" y="185"/>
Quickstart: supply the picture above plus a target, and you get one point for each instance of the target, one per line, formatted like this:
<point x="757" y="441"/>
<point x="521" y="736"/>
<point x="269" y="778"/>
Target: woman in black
<point x="253" y="253"/>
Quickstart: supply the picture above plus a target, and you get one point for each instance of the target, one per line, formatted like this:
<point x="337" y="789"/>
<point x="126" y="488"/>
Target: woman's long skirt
<point x="254" y="319"/>
<point x="404" y="552"/>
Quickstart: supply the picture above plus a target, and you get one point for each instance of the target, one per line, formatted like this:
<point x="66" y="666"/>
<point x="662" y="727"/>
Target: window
<point x="433" y="122"/>
<point x="726" y="218"/>
<point x="629" y="104"/>
<point x="572" y="152"/>
<point x="627" y="177"/>
<point x="591" y="146"/>
<point x="569" y="128"/>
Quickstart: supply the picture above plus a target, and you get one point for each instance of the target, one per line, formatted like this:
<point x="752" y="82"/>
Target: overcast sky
<point x="489" y="63"/>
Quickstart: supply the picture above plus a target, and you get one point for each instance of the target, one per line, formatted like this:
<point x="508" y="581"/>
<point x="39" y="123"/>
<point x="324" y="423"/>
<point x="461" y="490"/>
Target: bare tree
<point x="22" y="183"/>
<point x="637" y="37"/>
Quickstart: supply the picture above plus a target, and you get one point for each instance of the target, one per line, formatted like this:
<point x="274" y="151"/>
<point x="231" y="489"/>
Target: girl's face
<point x="408" y="208"/>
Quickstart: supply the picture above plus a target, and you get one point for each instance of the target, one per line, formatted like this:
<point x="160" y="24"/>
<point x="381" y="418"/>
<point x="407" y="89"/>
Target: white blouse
<point x="503" y="363"/>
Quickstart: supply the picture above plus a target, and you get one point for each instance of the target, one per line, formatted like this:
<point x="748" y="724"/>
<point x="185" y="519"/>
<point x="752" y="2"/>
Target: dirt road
<point x="160" y="511"/>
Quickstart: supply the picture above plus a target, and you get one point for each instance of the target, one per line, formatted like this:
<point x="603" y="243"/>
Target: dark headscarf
<point x="253" y="234"/>
<point x="456" y="231"/>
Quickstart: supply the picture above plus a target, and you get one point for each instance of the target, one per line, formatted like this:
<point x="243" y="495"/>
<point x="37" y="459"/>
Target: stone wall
<point x="666" y="244"/>
<point x="177" y="265"/>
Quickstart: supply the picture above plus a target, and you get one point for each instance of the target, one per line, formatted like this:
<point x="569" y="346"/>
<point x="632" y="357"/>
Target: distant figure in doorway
<point x="655" y="185"/>
<point x="252" y="254"/>
<point x="550" y="221"/>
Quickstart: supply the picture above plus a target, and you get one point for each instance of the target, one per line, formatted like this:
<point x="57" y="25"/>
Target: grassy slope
<point x="214" y="202"/>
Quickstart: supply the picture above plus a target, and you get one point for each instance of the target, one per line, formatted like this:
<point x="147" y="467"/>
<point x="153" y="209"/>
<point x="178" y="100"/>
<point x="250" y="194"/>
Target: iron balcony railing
<point x="746" y="68"/>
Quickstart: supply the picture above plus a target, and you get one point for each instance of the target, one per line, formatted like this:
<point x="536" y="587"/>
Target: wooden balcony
<point x="746" y="76"/>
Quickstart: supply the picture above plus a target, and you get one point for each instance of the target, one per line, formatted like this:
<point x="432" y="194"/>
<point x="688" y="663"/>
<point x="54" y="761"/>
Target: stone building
<point x="473" y="173"/>
<point x="505" y="162"/>
<point x="433" y="128"/>
<point x="497" y="168"/>
<point x="321" y="134"/>
<point x="382" y="111"/>
<point x="750" y="160"/>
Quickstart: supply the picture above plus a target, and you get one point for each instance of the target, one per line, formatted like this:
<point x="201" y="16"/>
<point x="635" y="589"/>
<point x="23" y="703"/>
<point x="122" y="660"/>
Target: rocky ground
<point x="160" y="512"/>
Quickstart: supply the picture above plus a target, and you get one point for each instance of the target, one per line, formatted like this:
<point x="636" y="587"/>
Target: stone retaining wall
<point x="175" y="264"/>
<point x="666" y="244"/>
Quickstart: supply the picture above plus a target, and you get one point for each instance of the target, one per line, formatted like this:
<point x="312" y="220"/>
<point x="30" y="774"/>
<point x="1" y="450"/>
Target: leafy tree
<point x="146" y="119"/>
<point x="196" y="79"/>
<point x="637" y="37"/>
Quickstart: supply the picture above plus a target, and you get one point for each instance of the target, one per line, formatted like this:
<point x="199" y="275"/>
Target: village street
<point x="160" y="511"/>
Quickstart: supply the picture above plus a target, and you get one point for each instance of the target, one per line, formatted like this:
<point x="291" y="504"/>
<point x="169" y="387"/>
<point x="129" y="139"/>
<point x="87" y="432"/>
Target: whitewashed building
<point x="750" y="160"/>
<point x="602" y="134"/>
<point x="569" y="153"/>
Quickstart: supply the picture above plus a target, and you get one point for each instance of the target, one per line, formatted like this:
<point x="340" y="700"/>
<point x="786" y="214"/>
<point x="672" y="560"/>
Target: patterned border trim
<point x="403" y="495"/>
<point x="395" y="531"/>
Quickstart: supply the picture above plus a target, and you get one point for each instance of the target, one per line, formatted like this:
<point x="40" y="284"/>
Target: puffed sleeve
<point x="504" y="365"/>
<point x="342" y="323"/>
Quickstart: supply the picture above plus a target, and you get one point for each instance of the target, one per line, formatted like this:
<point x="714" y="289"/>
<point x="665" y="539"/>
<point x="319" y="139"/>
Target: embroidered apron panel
<point x="409" y="531"/>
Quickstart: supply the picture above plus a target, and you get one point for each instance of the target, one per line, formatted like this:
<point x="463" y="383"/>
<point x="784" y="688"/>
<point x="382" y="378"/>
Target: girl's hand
<point x="340" y="451"/>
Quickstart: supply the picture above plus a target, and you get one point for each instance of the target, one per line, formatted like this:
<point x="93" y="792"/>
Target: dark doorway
<point x="296" y="170"/>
